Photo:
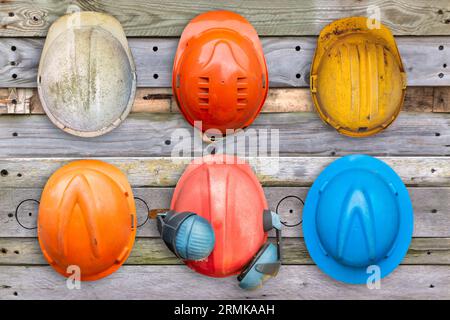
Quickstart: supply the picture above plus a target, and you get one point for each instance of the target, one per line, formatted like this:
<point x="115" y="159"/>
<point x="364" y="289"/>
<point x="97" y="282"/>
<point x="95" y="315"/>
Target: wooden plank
<point x="431" y="210"/>
<point x="153" y="251"/>
<point x="297" y="134"/>
<point x="19" y="59"/>
<point x="179" y="282"/>
<point x="415" y="56"/>
<point x="441" y="99"/>
<point x="285" y="17"/>
<point x="271" y="171"/>
<point x="161" y="100"/>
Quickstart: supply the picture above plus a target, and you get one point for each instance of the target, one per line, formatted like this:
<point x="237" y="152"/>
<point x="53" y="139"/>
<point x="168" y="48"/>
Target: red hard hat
<point x="225" y="191"/>
<point x="220" y="74"/>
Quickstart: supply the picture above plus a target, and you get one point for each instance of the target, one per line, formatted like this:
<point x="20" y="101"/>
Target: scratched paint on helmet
<point x="86" y="77"/>
<point x="220" y="74"/>
<point x="228" y="195"/>
<point x="87" y="218"/>
<point x="358" y="82"/>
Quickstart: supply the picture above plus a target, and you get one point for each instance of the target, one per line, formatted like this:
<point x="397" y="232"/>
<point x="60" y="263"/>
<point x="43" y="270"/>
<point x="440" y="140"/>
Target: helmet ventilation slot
<point x="203" y="93"/>
<point x="242" y="81"/>
<point x="242" y="92"/>
<point x="203" y="80"/>
<point x="203" y="101"/>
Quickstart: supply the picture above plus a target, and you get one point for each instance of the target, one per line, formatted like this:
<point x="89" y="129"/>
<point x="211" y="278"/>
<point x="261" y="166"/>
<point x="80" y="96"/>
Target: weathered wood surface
<point x="31" y="148"/>
<point x="431" y="210"/>
<point x="271" y="171"/>
<point x="19" y="60"/>
<point x="178" y="282"/>
<point x="161" y="100"/>
<point x="153" y="251"/>
<point x="284" y="17"/>
<point x="153" y="134"/>
<point x="441" y="97"/>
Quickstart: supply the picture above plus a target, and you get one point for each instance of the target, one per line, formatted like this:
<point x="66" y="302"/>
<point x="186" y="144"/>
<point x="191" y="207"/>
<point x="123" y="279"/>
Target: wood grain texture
<point x="161" y="100"/>
<point x="19" y="59"/>
<point x="153" y="251"/>
<point x="417" y="146"/>
<point x="431" y="210"/>
<point x="283" y="17"/>
<point x="178" y="282"/>
<point x="156" y="134"/>
<point x="165" y="171"/>
<point x="441" y="99"/>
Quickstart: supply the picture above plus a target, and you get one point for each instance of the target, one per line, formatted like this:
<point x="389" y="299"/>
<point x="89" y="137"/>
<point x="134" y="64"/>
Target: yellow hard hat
<point x="358" y="82"/>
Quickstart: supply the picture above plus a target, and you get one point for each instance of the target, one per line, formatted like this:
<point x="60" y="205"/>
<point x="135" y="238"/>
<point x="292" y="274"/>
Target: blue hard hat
<point x="357" y="214"/>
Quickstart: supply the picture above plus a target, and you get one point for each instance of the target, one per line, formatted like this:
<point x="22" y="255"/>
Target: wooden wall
<point x="417" y="145"/>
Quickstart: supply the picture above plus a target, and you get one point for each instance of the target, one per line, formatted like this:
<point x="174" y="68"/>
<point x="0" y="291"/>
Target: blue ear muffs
<point x="186" y="234"/>
<point x="267" y="261"/>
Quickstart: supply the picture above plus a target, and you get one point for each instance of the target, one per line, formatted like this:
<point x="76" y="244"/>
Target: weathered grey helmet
<point x="87" y="76"/>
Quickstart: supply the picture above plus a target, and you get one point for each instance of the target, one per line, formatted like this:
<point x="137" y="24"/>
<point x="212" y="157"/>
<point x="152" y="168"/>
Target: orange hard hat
<point x="220" y="74"/>
<point x="87" y="218"/>
<point x="224" y="190"/>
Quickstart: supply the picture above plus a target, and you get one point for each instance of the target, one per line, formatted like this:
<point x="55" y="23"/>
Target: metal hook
<point x="278" y="205"/>
<point x="154" y="213"/>
<point x="148" y="210"/>
<point x="17" y="211"/>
